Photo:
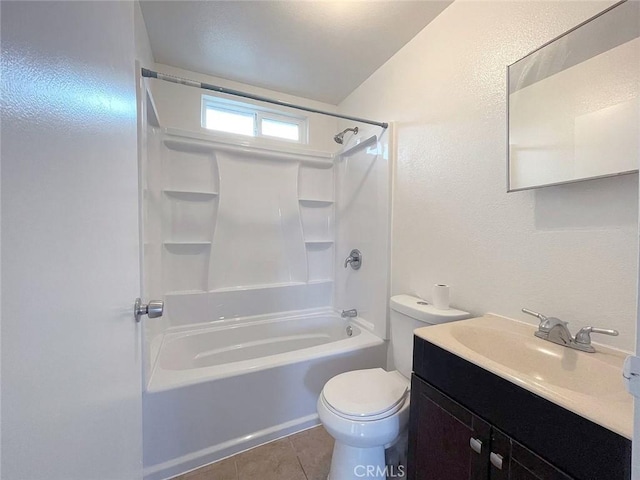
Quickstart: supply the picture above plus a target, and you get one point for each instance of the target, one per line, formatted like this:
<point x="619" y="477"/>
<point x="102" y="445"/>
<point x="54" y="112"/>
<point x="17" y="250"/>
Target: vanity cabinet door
<point x="526" y="465"/>
<point x="510" y="460"/>
<point x="446" y="441"/>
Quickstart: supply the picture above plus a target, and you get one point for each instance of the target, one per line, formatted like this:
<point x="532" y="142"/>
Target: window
<point x="246" y="119"/>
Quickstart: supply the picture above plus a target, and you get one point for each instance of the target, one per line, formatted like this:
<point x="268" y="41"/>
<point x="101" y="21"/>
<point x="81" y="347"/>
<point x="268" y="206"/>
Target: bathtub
<point x="218" y="389"/>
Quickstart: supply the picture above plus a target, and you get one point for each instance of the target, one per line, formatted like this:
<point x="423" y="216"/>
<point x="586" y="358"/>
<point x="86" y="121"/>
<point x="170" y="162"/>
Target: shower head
<point x="339" y="138"/>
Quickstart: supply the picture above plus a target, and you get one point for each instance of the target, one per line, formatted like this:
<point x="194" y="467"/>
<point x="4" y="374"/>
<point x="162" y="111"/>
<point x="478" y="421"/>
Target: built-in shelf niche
<point x="320" y="261"/>
<point x="317" y="221"/>
<point x="315" y="202"/>
<point x="315" y="184"/>
<point x="317" y="213"/>
<point x="185" y="266"/>
<point x="185" y="194"/>
<point x="190" y="195"/>
<point x="189" y="218"/>
<point x="186" y="243"/>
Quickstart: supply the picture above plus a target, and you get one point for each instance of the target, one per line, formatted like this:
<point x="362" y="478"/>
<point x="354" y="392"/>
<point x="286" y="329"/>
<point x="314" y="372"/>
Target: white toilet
<point x="366" y="411"/>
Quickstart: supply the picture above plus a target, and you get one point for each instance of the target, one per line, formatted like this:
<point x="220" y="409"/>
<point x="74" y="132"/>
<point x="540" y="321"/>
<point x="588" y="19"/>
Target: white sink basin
<point x="543" y="362"/>
<point x="589" y="384"/>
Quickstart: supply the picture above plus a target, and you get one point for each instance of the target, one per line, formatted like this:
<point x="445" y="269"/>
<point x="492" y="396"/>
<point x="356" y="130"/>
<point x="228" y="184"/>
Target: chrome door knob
<point x="154" y="309"/>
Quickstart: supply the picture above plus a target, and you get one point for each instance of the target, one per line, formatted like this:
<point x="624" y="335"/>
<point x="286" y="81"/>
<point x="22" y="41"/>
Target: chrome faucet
<point x="354" y="259"/>
<point x="349" y="313"/>
<point x="555" y="330"/>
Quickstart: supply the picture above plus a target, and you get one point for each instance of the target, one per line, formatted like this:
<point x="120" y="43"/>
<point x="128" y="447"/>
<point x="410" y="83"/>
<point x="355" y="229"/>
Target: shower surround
<point x="240" y="242"/>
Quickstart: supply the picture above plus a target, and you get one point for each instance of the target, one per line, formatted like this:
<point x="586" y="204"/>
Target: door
<point x="71" y="375"/>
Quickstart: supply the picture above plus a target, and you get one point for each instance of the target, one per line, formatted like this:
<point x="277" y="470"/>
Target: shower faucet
<point x="339" y="137"/>
<point x="349" y="313"/>
<point x="354" y="259"/>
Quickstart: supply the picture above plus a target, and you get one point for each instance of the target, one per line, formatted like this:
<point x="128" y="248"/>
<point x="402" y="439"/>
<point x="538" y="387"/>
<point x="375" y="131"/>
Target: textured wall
<point x="569" y="251"/>
<point x="180" y="107"/>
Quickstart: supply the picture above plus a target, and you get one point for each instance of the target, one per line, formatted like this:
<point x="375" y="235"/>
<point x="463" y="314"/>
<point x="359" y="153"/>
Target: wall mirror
<point x="574" y="104"/>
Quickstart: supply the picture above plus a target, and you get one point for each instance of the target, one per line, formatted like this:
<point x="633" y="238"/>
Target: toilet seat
<point x="365" y="395"/>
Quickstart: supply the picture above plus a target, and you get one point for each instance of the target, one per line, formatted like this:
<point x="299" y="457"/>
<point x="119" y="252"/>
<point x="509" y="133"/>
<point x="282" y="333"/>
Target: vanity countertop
<point x="588" y="384"/>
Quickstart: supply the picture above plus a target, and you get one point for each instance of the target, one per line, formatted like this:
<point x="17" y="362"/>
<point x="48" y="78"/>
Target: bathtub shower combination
<point x="220" y="389"/>
<point x="243" y="242"/>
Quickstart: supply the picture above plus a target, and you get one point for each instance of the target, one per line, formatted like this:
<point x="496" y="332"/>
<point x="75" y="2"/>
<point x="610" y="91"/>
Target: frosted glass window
<point x="230" y="116"/>
<point x="230" y="122"/>
<point x="280" y="129"/>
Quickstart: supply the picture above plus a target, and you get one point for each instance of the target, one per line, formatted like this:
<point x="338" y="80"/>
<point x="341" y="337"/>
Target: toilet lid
<point x="365" y="393"/>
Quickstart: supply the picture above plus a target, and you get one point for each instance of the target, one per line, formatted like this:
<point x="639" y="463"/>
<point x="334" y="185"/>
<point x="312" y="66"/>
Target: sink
<point x="543" y="362"/>
<point x="589" y="384"/>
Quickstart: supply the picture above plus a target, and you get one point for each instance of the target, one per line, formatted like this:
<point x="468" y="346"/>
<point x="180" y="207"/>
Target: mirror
<point x="574" y="104"/>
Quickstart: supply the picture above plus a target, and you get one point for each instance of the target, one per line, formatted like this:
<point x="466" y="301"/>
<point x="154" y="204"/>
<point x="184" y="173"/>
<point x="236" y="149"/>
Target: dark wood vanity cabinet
<point x="442" y="437"/>
<point x="467" y="423"/>
<point x="448" y="442"/>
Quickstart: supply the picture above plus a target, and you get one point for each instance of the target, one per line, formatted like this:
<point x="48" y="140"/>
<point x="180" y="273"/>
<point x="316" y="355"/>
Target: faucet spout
<point x="555" y="330"/>
<point x="349" y="313"/>
<point x="560" y="334"/>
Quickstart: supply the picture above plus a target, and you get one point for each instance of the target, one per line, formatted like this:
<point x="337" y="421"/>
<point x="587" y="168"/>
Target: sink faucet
<point x="349" y="313"/>
<point x="555" y="330"/>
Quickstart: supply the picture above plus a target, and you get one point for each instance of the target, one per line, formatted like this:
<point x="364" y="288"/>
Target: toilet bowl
<point x="367" y="411"/>
<point x="364" y="411"/>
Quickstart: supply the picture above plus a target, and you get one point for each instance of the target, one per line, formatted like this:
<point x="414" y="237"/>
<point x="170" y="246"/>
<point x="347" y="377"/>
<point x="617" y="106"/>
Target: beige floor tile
<point x="314" y="448"/>
<point x="222" y="470"/>
<point x="302" y="456"/>
<point x="272" y="461"/>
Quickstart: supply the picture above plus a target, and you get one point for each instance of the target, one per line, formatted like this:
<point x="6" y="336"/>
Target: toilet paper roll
<point x="440" y="298"/>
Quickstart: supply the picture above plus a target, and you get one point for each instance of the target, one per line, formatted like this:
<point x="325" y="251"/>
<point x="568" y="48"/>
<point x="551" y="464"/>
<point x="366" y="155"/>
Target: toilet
<point x="367" y="411"/>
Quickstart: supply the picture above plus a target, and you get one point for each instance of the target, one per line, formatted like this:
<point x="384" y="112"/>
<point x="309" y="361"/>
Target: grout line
<point x="304" y="472"/>
<point x="293" y="447"/>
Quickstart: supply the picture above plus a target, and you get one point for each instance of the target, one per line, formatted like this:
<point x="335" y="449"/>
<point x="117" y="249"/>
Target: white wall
<point x="180" y="106"/>
<point x="568" y="251"/>
<point x="362" y="222"/>
<point x="143" y="47"/>
<point x="71" y="406"/>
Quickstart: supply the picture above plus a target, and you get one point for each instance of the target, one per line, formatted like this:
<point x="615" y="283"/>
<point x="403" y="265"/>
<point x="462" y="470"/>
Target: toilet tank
<point x="407" y="314"/>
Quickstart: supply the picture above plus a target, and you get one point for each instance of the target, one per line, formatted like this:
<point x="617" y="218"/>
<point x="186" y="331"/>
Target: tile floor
<point x="302" y="456"/>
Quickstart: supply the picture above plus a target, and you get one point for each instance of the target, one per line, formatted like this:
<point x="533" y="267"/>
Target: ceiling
<point x="320" y="50"/>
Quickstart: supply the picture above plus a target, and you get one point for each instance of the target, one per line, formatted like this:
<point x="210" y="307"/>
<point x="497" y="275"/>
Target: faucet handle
<point x="583" y="337"/>
<point x="354" y="259"/>
<point x="535" y="314"/>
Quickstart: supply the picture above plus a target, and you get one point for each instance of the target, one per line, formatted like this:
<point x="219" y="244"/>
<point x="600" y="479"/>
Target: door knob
<point x="155" y="309"/>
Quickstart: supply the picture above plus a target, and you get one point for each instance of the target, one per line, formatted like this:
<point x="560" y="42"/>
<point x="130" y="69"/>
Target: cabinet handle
<point x="496" y="460"/>
<point x="475" y="444"/>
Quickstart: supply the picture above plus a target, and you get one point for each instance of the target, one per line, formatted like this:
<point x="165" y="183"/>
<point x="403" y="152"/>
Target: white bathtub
<point x="234" y="384"/>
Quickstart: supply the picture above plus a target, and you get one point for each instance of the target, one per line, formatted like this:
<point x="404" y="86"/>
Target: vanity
<point x="489" y="400"/>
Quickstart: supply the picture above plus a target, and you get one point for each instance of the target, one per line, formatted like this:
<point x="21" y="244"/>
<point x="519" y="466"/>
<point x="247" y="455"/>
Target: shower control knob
<point x="155" y="309"/>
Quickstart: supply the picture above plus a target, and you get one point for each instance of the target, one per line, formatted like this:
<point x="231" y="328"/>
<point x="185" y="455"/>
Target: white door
<point x="71" y="376"/>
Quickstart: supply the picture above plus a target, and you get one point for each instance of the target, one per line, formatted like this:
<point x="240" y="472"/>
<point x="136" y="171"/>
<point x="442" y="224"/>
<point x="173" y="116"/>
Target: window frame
<point x="259" y="114"/>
